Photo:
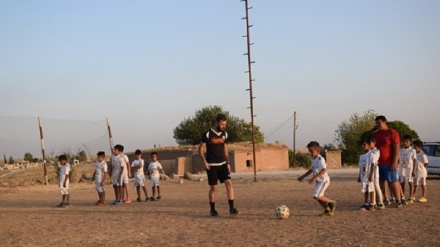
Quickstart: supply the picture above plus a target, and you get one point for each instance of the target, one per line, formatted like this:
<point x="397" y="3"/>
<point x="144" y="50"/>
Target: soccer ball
<point x="282" y="212"/>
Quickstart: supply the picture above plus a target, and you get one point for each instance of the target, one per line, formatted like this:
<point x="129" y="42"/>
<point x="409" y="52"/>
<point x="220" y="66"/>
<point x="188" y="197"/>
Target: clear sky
<point x="149" y="64"/>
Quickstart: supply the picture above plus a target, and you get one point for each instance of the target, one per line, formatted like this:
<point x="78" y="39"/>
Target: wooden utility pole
<point x="295" y="126"/>
<point x="249" y="71"/>
<point x="42" y="150"/>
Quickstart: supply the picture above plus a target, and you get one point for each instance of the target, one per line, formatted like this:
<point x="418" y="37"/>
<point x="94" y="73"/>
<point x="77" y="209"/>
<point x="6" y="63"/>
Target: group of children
<point x="411" y="169"/>
<point x="118" y="171"/>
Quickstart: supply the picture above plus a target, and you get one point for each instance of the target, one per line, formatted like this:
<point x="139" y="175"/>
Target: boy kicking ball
<point x="320" y="178"/>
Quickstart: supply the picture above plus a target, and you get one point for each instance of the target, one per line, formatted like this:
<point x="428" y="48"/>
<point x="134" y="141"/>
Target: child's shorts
<point x="99" y="187"/>
<point x="123" y="180"/>
<point x="420" y="181"/>
<point x="155" y="181"/>
<point x="64" y="190"/>
<point x="367" y="187"/>
<point x="139" y="180"/>
<point x="406" y="179"/>
<point x="320" y="188"/>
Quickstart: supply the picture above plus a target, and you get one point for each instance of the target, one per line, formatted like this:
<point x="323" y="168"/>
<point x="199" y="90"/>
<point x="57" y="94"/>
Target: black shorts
<point x="220" y="173"/>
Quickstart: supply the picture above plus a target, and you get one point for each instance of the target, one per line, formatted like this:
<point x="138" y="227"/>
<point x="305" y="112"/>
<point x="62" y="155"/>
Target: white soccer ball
<point x="282" y="212"/>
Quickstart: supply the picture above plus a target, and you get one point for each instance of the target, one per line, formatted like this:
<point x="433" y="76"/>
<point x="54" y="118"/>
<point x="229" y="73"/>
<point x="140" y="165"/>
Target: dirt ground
<point x="29" y="217"/>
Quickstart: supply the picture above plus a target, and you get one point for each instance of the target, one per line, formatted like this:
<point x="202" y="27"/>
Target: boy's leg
<point x="424" y="190"/>
<point x="415" y="189"/>
<point x="402" y="185"/>
<point x="127" y="190"/>
<point x="324" y="201"/>
<point x="158" y="192"/>
<point x="138" y="191"/>
<point x="153" y="190"/>
<point x="116" y="189"/>
<point x="145" y="191"/>
<point x="378" y="195"/>
<point x="366" y="197"/>
<point x="411" y="189"/>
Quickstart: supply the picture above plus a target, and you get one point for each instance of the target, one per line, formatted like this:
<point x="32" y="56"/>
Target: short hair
<point x="220" y="117"/>
<point x="373" y="139"/>
<point x="153" y="153"/>
<point x="101" y="153"/>
<point x="62" y="157"/>
<point x="367" y="141"/>
<point x="119" y="147"/>
<point x="381" y="117"/>
<point x="314" y="145"/>
<point x="407" y="137"/>
<point x="137" y="152"/>
<point x="418" y="143"/>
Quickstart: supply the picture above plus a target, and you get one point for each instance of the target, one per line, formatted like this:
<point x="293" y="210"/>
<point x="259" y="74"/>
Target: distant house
<point x="181" y="159"/>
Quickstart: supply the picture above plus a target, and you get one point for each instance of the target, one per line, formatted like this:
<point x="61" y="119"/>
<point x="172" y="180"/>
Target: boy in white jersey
<point x="126" y="187"/>
<point x="119" y="175"/>
<point x="376" y="155"/>
<point x="320" y="178"/>
<point x="421" y="173"/>
<point x="99" y="177"/>
<point x="407" y="168"/>
<point x="139" y="177"/>
<point x="366" y="174"/>
<point x="153" y="169"/>
<point x="64" y="181"/>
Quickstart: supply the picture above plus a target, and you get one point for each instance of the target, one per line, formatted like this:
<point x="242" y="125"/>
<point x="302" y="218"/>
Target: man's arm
<point x="225" y="150"/>
<point x="396" y="154"/>
<point x="202" y="148"/>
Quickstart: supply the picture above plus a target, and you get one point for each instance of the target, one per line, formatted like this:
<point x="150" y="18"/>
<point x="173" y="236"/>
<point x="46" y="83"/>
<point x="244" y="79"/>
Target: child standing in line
<point x="421" y="174"/>
<point x="139" y="177"/>
<point x="407" y="168"/>
<point x="366" y="174"/>
<point x="154" y="168"/>
<point x="64" y="181"/>
<point x="99" y="177"/>
<point x="376" y="154"/>
<point x="320" y="178"/>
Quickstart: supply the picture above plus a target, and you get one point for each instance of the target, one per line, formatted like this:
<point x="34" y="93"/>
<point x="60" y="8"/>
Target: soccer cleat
<point x="371" y="207"/>
<point x="158" y="198"/>
<point x="118" y="202"/>
<point x="114" y="202"/>
<point x="326" y="213"/>
<point x="147" y="199"/>
<point x="234" y="211"/>
<point x="61" y="205"/>
<point x="127" y="201"/>
<point x="399" y="205"/>
<point x="392" y="201"/>
<point x="403" y="201"/>
<point x="138" y="199"/>
<point x="213" y="213"/>
<point x="386" y="202"/>
<point x="380" y="206"/>
<point x="423" y="199"/>
<point x="332" y="206"/>
<point x="152" y="199"/>
<point x="410" y="200"/>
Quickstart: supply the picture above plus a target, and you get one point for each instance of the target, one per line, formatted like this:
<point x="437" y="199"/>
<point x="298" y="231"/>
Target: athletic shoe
<point x="214" y="213"/>
<point x="326" y="213"/>
<point x="61" y="205"/>
<point x="234" y="211"/>
<point x="127" y="201"/>
<point x="392" y="201"/>
<point x="386" y="202"/>
<point x="403" y="201"/>
<point x="380" y="206"/>
<point x="147" y="199"/>
<point x="371" y="207"/>
<point x="410" y="200"/>
<point x="365" y="205"/>
<point x="332" y="206"/>
<point x="399" y="205"/>
<point x="158" y="198"/>
<point x="119" y="202"/>
<point x="152" y="199"/>
<point x="67" y="204"/>
<point x="114" y="202"/>
<point x="423" y="199"/>
<point x="97" y="203"/>
<point x="138" y="199"/>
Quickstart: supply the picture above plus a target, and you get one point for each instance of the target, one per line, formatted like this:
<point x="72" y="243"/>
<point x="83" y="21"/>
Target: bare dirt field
<point x="28" y="216"/>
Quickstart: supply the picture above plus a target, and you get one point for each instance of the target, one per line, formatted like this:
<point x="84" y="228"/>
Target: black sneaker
<point x="67" y="204"/>
<point x="214" y="213"/>
<point x="234" y="211"/>
<point x="152" y="199"/>
<point x="158" y="198"/>
<point x="138" y="199"/>
<point x="61" y="205"/>
<point x="147" y="199"/>
<point x="371" y="207"/>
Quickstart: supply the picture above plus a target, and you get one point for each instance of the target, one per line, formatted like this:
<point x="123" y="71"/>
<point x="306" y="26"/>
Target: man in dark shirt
<point x="217" y="162"/>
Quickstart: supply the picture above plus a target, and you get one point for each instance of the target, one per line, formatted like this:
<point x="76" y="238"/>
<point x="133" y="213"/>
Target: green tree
<point x="401" y="128"/>
<point x="11" y="160"/>
<point x="28" y="157"/>
<point x="4" y="159"/>
<point x="190" y="130"/>
<point x="349" y="133"/>
<point x="81" y="156"/>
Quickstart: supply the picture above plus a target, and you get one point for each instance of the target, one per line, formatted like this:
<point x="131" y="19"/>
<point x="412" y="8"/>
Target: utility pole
<point x="295" y="126"/>
<point x="249" y="71"/>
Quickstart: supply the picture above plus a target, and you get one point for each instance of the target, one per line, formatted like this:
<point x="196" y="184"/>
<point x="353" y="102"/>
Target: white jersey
<point x="116" y="165"/>
<point x="100" y="170"/>
<point x="421" y="161"/>
<point x="376" y="155"/>
<point x="138" y="163"/>
<point x="318" y="164"/>
<point x="406" y="161"/>
<point x="64" y="170"/>
<point x="366" y="161"/>
<point x="154" y="167"/>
